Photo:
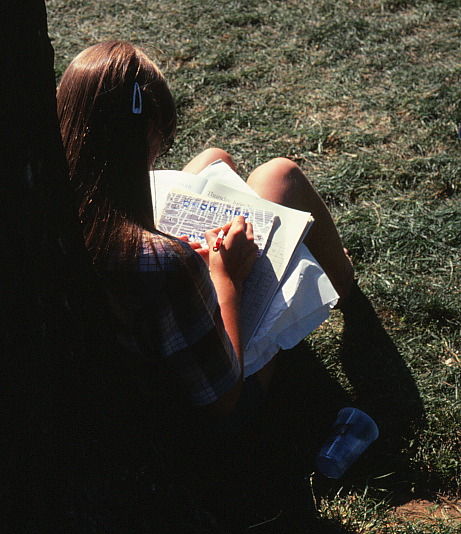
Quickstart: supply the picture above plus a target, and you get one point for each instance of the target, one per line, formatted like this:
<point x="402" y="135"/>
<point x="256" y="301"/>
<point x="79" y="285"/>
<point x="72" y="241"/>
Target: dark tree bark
<point x="79" y="450"/>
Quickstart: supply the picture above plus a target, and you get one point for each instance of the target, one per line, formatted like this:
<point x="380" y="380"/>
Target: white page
<point x="163" y="181"/>
<point x="220" y="172"/>
<point x="290" y="228"/>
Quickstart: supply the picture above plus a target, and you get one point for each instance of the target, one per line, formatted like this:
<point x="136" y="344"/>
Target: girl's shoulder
<point x="163" y="252"/>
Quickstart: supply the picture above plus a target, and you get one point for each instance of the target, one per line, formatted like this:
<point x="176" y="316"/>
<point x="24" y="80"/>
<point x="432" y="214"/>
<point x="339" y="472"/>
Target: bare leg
<point x="206" y="157"/>
<point x="281" y="180"/>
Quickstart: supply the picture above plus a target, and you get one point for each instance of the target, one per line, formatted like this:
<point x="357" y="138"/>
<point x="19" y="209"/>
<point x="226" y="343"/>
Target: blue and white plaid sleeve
<point x="191" y="333"/>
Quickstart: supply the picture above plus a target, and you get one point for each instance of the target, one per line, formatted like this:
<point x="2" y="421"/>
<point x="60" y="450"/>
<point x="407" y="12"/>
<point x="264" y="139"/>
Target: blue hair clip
<point x="136" y="106"/>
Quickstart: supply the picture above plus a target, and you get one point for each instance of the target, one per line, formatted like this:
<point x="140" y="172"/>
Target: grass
<point x="366" y="96"/>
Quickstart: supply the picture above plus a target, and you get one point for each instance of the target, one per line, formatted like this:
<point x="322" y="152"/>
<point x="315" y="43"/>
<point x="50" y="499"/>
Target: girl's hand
<point x="237" y="253"/>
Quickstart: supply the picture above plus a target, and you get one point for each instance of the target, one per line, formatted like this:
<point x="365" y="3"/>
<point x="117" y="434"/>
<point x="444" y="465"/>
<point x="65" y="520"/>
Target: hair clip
<point x="136" y="106"/>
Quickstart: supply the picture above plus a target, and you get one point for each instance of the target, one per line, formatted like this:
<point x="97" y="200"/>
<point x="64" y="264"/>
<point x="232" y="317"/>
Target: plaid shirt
<point x="167" y="305"/>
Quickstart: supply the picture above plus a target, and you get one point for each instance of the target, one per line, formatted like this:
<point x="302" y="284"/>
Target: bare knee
<point x="218" y="153"/>
<point x="276" y="174"/>
<point x="283" y="165"/>
<point x="206" y="157"/>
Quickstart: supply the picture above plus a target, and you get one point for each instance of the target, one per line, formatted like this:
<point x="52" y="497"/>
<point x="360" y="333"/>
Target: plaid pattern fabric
<point x="167" y="305"/>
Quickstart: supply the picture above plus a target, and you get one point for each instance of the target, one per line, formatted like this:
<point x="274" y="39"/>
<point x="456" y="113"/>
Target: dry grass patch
<point x="430" y="511"/>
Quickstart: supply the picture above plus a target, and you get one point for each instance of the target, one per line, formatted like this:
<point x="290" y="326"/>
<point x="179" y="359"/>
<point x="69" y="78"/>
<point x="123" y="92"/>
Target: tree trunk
<point x="79" y="451"/>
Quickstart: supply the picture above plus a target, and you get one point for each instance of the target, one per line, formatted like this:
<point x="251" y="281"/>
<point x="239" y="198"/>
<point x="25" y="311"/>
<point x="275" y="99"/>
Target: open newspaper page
<point x="278" y="231"/>
<point x="288" y="295"/>
<point x="191" y="215"/>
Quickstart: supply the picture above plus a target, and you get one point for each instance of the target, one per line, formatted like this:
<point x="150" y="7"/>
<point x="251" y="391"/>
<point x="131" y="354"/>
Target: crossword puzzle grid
<point x="191" y="216"/>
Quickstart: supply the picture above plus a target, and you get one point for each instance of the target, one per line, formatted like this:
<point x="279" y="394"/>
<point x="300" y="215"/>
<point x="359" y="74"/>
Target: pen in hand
<point x="218" y="241"/>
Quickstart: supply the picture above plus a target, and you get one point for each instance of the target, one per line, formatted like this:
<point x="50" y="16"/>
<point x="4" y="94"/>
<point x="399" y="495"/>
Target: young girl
<point x="117" y="116"/>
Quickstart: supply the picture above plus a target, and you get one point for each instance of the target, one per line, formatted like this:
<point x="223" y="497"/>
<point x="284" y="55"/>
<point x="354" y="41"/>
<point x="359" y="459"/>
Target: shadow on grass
<point x="272" y="469"/>
<point x="384" y="387"/>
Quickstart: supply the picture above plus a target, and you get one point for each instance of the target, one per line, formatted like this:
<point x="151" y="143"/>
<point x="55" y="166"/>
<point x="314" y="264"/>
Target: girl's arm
<point x="229" y="268"/>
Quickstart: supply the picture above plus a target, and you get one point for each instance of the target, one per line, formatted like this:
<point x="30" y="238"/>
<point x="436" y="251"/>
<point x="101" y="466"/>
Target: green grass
<point x="366" y="97"/>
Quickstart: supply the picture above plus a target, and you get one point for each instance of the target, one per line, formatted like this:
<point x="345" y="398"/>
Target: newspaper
<point x="280" y="229"/>
<point x="189" y="214"/>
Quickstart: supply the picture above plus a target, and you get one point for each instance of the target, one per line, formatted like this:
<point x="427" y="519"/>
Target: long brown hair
<point x="117" y="115"/>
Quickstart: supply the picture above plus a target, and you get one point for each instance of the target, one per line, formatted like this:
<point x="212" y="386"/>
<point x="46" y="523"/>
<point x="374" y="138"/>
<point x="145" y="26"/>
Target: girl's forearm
<point x="229" y="299"/>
